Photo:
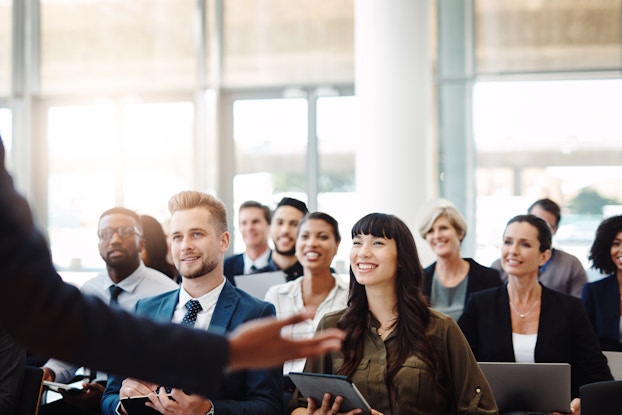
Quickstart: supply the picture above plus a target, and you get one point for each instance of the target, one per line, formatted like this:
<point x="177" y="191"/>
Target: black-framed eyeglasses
<point x="123" y="231"/>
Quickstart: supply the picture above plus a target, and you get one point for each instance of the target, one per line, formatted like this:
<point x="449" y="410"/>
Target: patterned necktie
<point x="115" y="291"/>
<point x="193" y="307"/>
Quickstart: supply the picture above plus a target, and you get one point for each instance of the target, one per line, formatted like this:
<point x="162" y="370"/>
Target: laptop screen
<point x="257" y="284"/>
<point x="529" y="387"/>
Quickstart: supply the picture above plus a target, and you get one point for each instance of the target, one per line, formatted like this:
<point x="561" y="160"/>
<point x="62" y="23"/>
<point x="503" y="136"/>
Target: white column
<point x="395" y="160"/>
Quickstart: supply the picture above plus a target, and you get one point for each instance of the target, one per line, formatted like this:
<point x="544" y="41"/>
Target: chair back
<point x="601" y="398"/>
<point x="614" y="360"/>
<point x="30" y="395"/>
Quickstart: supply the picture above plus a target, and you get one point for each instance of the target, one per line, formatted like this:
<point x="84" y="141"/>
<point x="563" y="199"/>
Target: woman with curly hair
<point x="602" y="297"/>
<point x="404" y="357"/>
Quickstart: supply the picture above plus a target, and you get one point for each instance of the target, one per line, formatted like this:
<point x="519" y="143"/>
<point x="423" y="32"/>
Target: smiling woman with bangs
<point x="404" y="357"/>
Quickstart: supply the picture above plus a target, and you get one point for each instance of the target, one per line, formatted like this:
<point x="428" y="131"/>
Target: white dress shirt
<point x="287" y="299"/>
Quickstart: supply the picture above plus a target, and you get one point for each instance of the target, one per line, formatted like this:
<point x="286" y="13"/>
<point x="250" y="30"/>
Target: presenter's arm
<point x="50" y="317"/>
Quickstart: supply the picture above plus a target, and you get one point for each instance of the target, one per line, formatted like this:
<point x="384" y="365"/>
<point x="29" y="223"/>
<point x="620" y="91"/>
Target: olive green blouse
<point x="461" y="387"/>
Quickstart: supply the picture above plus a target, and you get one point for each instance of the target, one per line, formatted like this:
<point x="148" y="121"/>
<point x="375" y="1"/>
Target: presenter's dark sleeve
<point x="12" y="365"/>
<point x="47" y="316"/>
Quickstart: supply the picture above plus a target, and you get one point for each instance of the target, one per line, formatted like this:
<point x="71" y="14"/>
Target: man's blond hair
<point x="190" y="199"/>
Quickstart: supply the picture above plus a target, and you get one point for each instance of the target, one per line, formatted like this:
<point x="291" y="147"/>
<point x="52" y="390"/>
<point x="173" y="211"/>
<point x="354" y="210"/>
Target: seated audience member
<point x="318" y="289"/>
<point x="404" y="357"/>
<point x="451" y="279"/>
<point x="206" y="300"/>
<point x="562" y="272"/>
<point x="524" y="321"/>
<point x="155" y="251"/>
<point x="283" y="229"/>
<point x="254" y="225"/>
<point x="602" y="298"/>
<point x="12" y="365"/>
<point x="125" y="280"/>
<point x="317" y="243"/>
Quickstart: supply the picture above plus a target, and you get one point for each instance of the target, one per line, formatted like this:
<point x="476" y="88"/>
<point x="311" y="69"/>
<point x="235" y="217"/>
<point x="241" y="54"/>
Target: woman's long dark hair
<point x="412" y="308"/>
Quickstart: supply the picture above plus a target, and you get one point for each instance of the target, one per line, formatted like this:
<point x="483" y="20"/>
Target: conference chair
<point x="30" y="395"/>
<point x="600" y="398"/>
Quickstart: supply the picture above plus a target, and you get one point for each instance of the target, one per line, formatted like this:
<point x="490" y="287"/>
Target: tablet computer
<point x="63" y="387"/>
<point x="135" y="405"/>
<point x="315" y="385"/>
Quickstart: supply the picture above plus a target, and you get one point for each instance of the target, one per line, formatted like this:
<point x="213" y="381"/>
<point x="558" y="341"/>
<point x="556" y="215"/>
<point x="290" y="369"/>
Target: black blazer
<point x="602" y="303"/>
<point x="480" y="278"/>
<point x="564" y="334"/>
<point x="47" y="316"/>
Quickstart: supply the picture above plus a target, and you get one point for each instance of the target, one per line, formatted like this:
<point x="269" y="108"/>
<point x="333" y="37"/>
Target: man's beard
<point x="205" y="269"/>
<point x="290" y="252"/>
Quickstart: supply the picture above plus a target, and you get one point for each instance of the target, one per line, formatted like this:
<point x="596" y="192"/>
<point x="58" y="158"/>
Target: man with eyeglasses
<point x="125" y="281"/>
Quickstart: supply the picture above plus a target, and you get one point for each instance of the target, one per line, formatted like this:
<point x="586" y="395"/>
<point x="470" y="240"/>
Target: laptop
<point x="257" y="284"/>
<point x="529" y="387"/>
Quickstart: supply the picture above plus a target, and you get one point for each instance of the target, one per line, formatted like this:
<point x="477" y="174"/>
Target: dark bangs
<point x="379" y="225"/>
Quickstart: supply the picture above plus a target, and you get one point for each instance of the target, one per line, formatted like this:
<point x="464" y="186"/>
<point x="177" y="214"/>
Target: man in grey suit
<point x="206" y="300"/>
<point x="52" y="318"/>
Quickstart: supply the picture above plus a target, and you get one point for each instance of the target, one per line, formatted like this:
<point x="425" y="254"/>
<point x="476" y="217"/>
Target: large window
<point x="556" y="139"/>
<point x="101" y="156"/>
<point x="288" y="42"/>
<point x="117" y="45"/>
<point x="272" y="147"/>
<point x="547" y="35"/>
<point x="6" y="27"/>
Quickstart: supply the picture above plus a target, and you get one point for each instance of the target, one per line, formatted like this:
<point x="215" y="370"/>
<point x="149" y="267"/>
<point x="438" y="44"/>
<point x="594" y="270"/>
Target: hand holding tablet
<point x="315" y="385"/>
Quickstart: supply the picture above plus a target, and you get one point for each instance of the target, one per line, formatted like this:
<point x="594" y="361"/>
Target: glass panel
<point x="270" y="152"/>
<point x="81" y="181"/>
<point x="337" y="130"/>
<point x="117" y="45"/>
<point x="547" y="139"/>
<point x="6" y="29"/>
<point x="547" y="35"/>
<point x="95" y="164"/>
<point x="158" y="148"/>
<point x="6" y="132"/>
<point x="288" y="41"/>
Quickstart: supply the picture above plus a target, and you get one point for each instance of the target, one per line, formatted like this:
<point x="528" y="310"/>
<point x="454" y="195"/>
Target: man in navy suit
<point x="254" y="225"/>
<point x="206" y="300"/>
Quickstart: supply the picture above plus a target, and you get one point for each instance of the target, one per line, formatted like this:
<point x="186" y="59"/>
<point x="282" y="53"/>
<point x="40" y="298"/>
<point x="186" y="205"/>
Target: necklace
<point x="382" y="331"/>
<point x="523" y="315"/>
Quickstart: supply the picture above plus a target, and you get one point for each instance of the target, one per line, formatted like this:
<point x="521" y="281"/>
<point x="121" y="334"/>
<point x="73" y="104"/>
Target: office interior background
<point x="351" y="105"/>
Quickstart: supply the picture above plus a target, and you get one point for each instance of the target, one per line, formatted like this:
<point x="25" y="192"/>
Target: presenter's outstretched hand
<point x="259" y="344"/>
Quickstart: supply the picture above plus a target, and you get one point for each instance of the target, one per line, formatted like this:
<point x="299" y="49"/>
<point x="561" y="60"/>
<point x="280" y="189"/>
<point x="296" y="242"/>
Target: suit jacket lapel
<point x="223" y="312"/>
<point x="166" y="308"/>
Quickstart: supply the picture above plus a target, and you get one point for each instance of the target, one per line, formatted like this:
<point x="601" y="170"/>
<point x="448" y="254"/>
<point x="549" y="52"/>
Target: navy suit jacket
<point x="52" y="318"/>
<point x="480" y="278"/>
<point x="243" y="392"/>
<point x="564" y="334"/>
<point x="602" y="303"/>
